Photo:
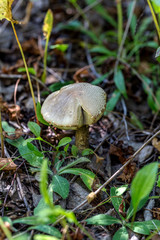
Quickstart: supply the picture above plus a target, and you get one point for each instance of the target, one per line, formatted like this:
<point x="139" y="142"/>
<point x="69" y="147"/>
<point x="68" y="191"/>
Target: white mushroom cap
<point x="74" y="106"/>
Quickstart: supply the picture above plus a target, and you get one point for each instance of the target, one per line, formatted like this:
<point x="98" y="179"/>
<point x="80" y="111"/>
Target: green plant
<point x="35" y="158"/>
<point x="1" y="136"/>
<point x="138" y="39"/>
<point x="47" y="29"/>
<point x="47" y="215"/>
<point x="120" y="20"/>
<point x="6" y="12"/>
<point x="154" y="6"/>
<point x="141" y="187"/>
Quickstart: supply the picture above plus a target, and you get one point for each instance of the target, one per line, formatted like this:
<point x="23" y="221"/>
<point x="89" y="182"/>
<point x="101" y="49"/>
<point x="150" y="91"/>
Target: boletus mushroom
<point x="75" y="106"/>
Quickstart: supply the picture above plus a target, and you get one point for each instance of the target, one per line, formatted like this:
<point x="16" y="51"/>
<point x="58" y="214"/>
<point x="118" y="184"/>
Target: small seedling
<point x="6" y="12"/>
<point x="35" y="158"/>
<point x="47" y="29"/>
<point x="141" y="187"/>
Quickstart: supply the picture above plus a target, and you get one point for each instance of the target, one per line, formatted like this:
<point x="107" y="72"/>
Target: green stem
<point x="120" y="21"/>
<point x="45" y="61"/>
<point x="27" y="72"/>
<point x="81" y="13"/>
<point x="2" y="140"/>
<point x="5" y="230"/>
<point x="154" y="18"/>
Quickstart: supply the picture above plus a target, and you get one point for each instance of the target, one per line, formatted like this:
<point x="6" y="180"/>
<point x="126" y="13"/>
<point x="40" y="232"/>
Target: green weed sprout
<point x="6" y="13"/>
<point x="155" y="8"/>
<point x="47" y="28"/>
<point x="1" y="137"/>
<point x="141" y="188"/>
<point x="120" y="21"/>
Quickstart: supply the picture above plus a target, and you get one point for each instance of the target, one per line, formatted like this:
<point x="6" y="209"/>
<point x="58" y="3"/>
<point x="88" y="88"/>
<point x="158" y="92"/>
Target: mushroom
<point x="75" y="106"/>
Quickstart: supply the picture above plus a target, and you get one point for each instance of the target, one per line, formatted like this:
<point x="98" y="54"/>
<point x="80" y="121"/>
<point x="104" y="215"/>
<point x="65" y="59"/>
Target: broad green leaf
<point x="103" y="219"/>
<point x="7" y="128"/>
<point x="146" y="85"/>
<point x="64" y="141"/>
<point x="47" y="229"/>
<point x="15" y="142"/>
<point x="156" y="6"/>
<point x="34" y="157"/>
<point x="121" y="234"/>
<point x="116" y="200"/>
<point x="35" y="128"/>
<point x="158" y="181"/>
<point x="143" y="183"/>
<point x="87" y="151"/>
<point x="86" y="175"/>
<point x="74" y="150"/>
<point x="58" y="85"/>
<point x="61" y="47"/>
<point x="66" y="148"/>
<point x="158" y="96"/>
<point x="55" y="212"/>
<point x="33" y="220"/>
<point x="112" y="101"/>
<point x="6" y="9"/>
<point x="43" y="184"/>
<point x="153" y="224"/>
<point x="48" y="24"/>
<point x="139" y="227"/>
<point x="102" y="50"/>
<point x="28" y="151"/>
<point x="135" y="121"/>
<point x="21" y="236"/>
<point x="30" y="146"/>
<point x="120" y="190"/>
<point x="130" y="211"/>
<point x="120" y="83"/>
<point x="73" y="1"/>
<point x="30" y="70"/>
<point x="60" y="185"/>
<point x="151" y="103"/>
<point x="45" y="237"/>
<point x="39" y="115"/>
<point x="75" y="162"/>
<point x="157" y="56"/>
<point x="7" y="219"/>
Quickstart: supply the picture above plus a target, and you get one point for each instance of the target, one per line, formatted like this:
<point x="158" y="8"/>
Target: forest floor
<point x="130" y="119"/>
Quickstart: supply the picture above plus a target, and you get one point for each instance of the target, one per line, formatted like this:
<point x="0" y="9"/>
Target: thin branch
<point x="119" y="171"/>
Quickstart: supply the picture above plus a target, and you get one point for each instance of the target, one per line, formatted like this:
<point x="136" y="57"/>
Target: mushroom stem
<point x="82" y="136"/>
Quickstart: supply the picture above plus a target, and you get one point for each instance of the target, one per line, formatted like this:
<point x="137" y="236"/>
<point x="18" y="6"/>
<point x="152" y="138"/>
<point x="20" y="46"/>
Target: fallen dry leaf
<point x="11" y="109"/>
<point x="121" y="208"/>
<point x="156" y="213"/>
<point x="128" y="173"/>
<point x="98" y="158"/>
<point x="82" y="73"/>
<point x="7" y="164"/>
